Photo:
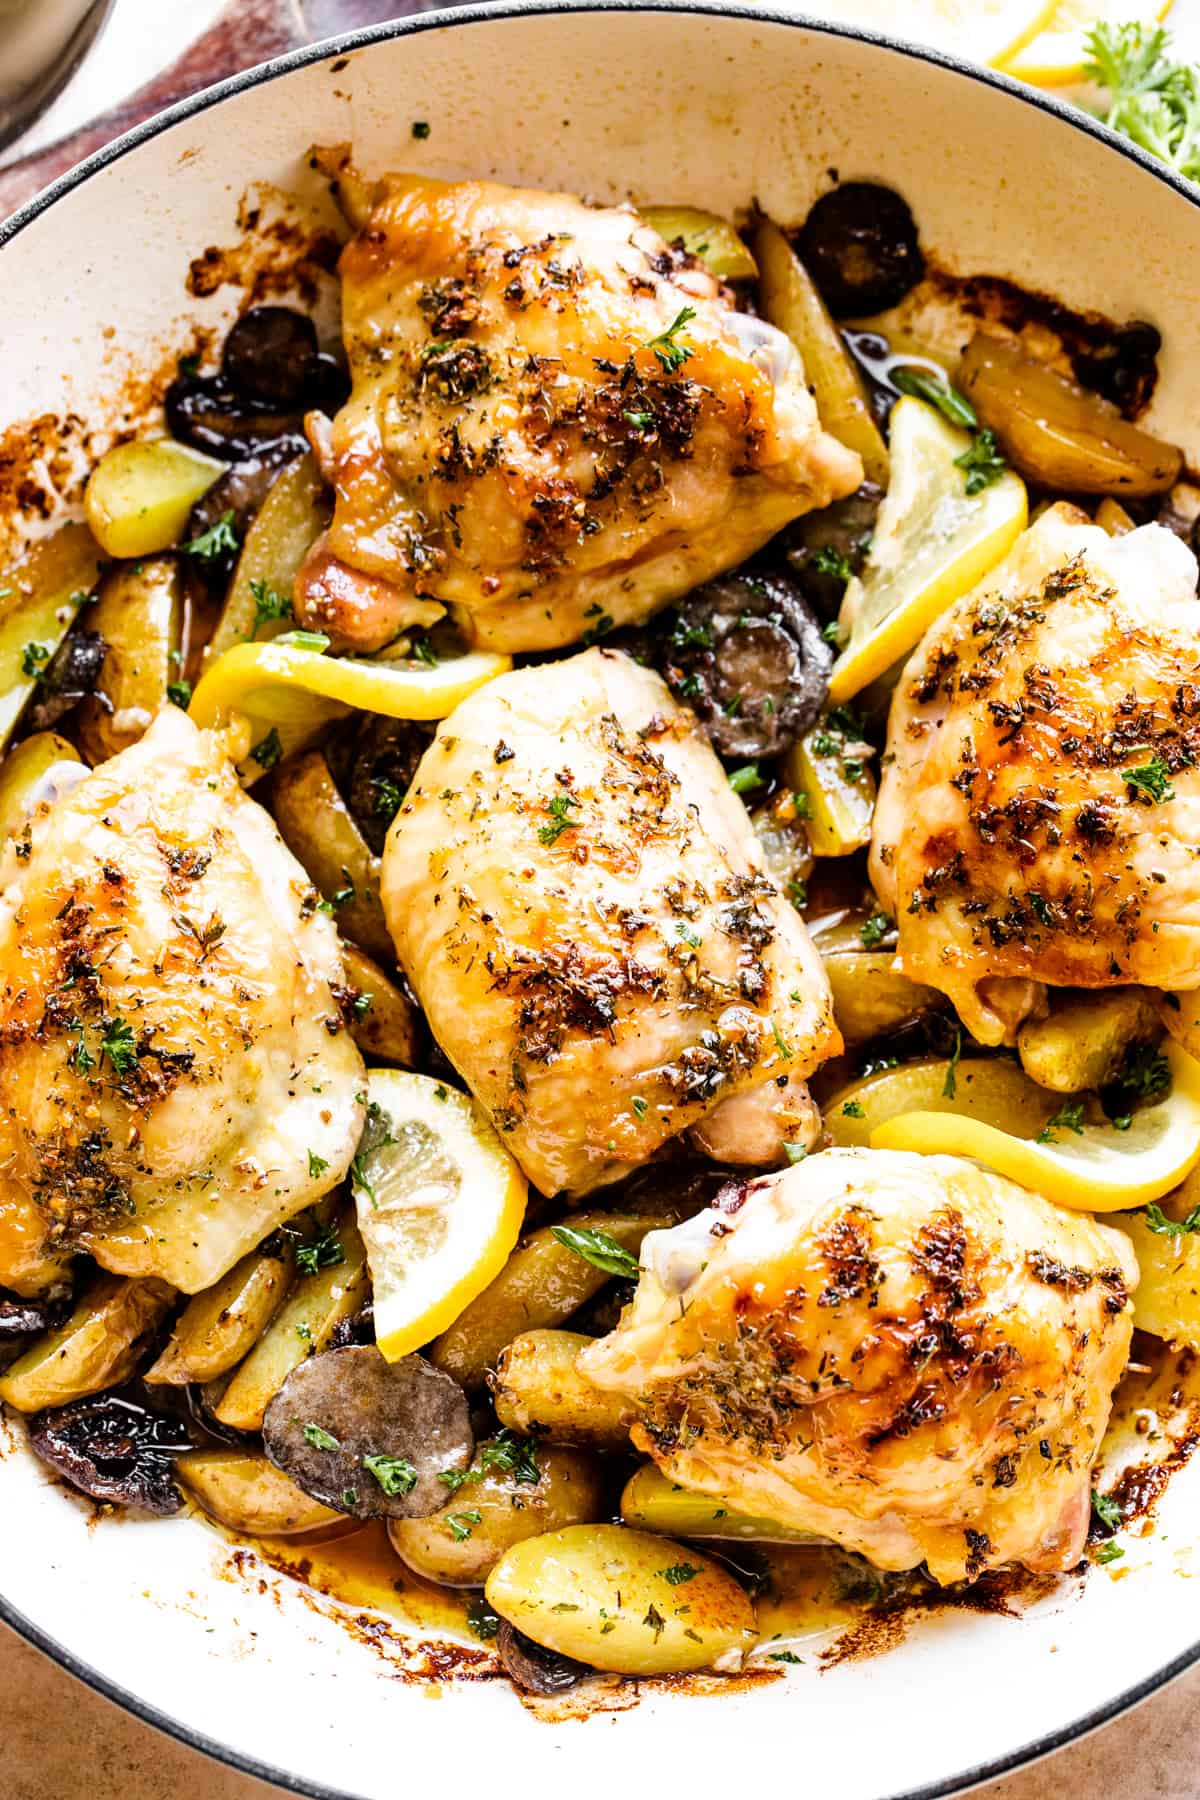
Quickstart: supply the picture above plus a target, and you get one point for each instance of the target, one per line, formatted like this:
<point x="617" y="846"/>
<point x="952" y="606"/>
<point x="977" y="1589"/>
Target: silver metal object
<point x="42" y="43"/>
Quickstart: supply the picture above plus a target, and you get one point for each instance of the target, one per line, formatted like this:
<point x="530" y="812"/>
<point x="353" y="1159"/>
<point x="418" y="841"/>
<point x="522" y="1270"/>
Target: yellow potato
<point x="988" y="1088"/>
<point x="707" y="236"/>
<point x="537" y="1389"/>
<point x="284" y="529"/>
<point x="386" y="1031"/>
<point x="139" y="495"/>
<point x="870" y="996"/>
<point x="1083" y="1042"/>
<point x="23" y="773"/>
<point x="623" y="1600"/>
<point x="319" y="829"/>
<point x="222" y="1325"/>
<point x="242" y="1490"/>
<point x="839" y="804"/>
<point x="39" y="600"/>
<point x="487" y="1514"/>
<point x="139" y="614"/>
<point x="98" y="1347"/>
<point x="653" y="1502"/>
<point x="1166" y="1301"/>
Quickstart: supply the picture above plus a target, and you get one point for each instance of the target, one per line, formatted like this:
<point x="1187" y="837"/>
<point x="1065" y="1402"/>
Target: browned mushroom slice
<point x="113" y="1449"/>
<point x="368" y="1437"/>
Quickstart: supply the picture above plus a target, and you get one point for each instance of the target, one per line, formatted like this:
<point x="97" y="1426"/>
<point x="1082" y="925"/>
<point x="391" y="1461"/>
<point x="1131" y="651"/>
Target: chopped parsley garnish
<point x="1069" y="1117"/>
<point x="459" y="1524"/>
<point x="639" y="1106"/>
<point x="189" y="365"/>
<point x="1157" y="1220"/>
<point x="655" y="1621"/>
<point x="34" y="658"/>
<point x="795" y="1152"/>
<point x="267" y="752"/>
<point x="424" y="652"/>
<point x="323" y="1251"/>
<point x="315" y="641"/>
<point x="853" y="1109"/>
<point x="219" y="540"/>
<point x="386" y="798"/>
<point x="797" y="893"/>
<point x="119" y="1046"/>
<point x="599" y="1249"/>
<point x="983" y="463"/>
<point x="376" y="1134"/>
<point x="873" y="932"/>
<point x="1107" y="1511"/>
<point x="81" y="1058"/>
<point x="937" y="391"/>
<point x="512" y="1455"/>
<point x="691" y="938"/>
<point x="781" y="1044"/>
<point x="394" y="1474"/>
<point x="602" y="627"/>
<point x="304" y="1332"/>
<point x="482" y="1620"/>
<point x="828" y="561"/>
<point x="950" y="1085"/>
<point x="640" y="420"/>
<point x="1153" y="98"/>
<point x="320" y="1439"/>
<point x="1145" y="1071"/>
<point x="560" y="820"/>
<point x="680" y="1572"/>
<point x="340" y="897"/>
<point x="745" y="779"/>
<point x="362" y="1004"/>
<point x="670" y="354"/>
<point x="1151" y="780"/>
<point x="317" y="1165"/>
<point x="832" y="633"/>
<point x="787" y="1656"/>
<point x="179" y="693"/>
<point x="269" y="604"/>
<point x="420" y="128"/>
<point x="1109" y="1552"/>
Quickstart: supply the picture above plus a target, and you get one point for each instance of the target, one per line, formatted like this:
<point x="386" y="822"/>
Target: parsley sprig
<point x="1152" y="99"/>
<point x="672" y="355"/>
<point x="599" y="1249"/>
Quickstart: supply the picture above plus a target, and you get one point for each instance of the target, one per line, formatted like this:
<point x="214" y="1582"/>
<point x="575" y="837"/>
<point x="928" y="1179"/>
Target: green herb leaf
<point x="314" y="641"/>
<point x="269" y="604"/>
<point x="680" y="1572"/>
<point x="459" y="1524"/>
<point x="828" y="561"/>
<point x="1107" y="1511"/>
<point x="950" y="1085"/>
<point x="1154" y="100"/>
<point x="394" y="1474"/>
<point x="1151" y="781"/>
<point x="670" y="354"/>
<point x="420" y="128"/>
<point x="1157" y="1220"/>
<point x="558" y="808"/>
<point x="179" y="693"/>
<point x="120" y="1047"/>
<point x="853" y="1109"/>
<point x="219" y="540"/>
<point x="1069" y="1117"/>
<point x="320" y="1439"/>
<point x="267" y="752"/>
<point x="34" y="658"/>
<point x="936" y="390"/>
<point x="599" y="1249"/>
<point x="875" y="930"/>
<point x="321" y="1252"/>
<point x="317" y="1165"/>
<point x="746" y="779"/>
<point x="983" y="463"/>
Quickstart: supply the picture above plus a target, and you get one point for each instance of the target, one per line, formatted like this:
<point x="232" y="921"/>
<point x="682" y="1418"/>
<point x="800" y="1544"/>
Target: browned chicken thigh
<point x="579" y="901"/>
<point x="907" y="1355"/>
<point x="1039" y="815"/>
<point x="175" y="1079"/>
<point x="556" y="424"/>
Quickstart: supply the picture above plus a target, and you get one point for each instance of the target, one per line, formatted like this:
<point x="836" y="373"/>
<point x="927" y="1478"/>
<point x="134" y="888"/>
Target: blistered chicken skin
<point x="907" y="1355"/>
<point x="1038" y="819"/>
<point x="175" y="1078"/>
<point x="556" y="423"/>
<point x="579" y="902"/>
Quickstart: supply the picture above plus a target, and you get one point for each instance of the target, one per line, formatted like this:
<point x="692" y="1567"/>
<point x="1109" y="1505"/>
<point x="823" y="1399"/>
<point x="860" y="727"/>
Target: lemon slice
<point x="1056" y="57"/>
<point x="980" y="30"/>
<point x="933" y="541"/>
<point x="1095" y="1169"/>
<point x="440" y="1204"/>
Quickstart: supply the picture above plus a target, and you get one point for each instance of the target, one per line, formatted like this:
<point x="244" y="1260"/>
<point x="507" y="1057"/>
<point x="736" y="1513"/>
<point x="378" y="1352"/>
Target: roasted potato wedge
<point x="537" y="1389"/>
<point x="220" y="1326"/>
<point x="1083" y="1041"/>
<point x="99" y="1346"/>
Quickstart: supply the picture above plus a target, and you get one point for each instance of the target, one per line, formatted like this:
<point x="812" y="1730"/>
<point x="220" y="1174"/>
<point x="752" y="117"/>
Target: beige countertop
<point x="62" y="1742"/>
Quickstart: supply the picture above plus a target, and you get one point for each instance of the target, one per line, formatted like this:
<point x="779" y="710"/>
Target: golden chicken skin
<point x="175" y="1078"/>
<point x="905" y="1355"/>
<point x="1038" y="818"/>
<point x="579" y="901"/>
<point x="557" y="424"/>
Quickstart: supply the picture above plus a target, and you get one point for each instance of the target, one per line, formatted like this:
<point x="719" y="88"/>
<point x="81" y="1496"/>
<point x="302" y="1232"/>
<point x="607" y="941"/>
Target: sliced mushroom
<point x="535" y="1670"/>
<point x="747" y="655"/>
<point x="859" y="244"/>
<point x="373" y="761"/>
<point x="113" y="1449"/>
<point x="270" y="355"/>
<point x="18" y="1318"/>
<point x="368" y="1437"/>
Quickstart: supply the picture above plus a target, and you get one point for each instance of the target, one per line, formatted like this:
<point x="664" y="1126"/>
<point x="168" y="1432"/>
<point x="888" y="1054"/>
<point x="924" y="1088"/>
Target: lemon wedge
<point x="1057" y="56"/>
<point x="288" y="688"/>
<point x="440" y="1203"/>
<point x="980" y="30"/>
<point x="1090" y="1168"/>
<point x="933" y="541"/>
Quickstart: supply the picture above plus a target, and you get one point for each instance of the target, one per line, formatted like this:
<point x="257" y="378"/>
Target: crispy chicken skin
<point x="175" y="1080"/>
<point x="907" y="1355"/>
<point x="579" y="901"/>
<point x="1039" y="816"/>
<point x="515" y="450"/>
